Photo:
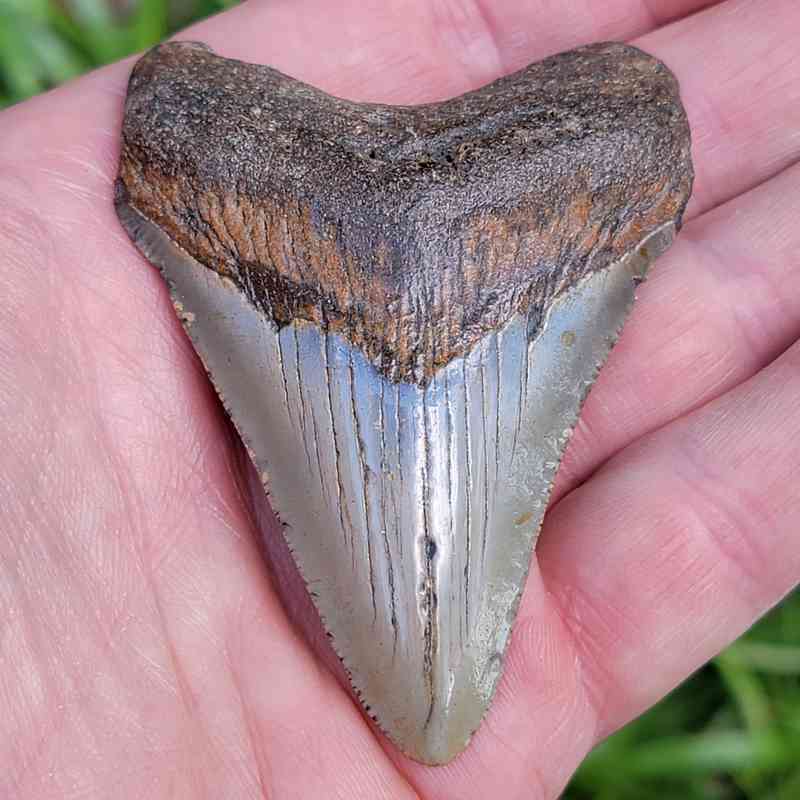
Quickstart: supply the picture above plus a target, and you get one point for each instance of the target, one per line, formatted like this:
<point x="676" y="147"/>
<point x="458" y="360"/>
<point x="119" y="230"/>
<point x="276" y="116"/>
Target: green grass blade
<point x="19" y="67"/>
<point x="693" y="755"/>
<point x="93" y="14"/>
<point x="774" y="659"/>
<point x="790" y="788"/>
<point x="101" y="38"/>
<point x="747" y="691"/>
<point x="149" y="23"/>
<point x="35" y="10"/>
<point x="59" y="60"/>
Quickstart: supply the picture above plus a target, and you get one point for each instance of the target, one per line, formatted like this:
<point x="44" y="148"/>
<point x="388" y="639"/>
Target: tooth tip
<point x="438" y="737"/>
<point x="440" y="750"/>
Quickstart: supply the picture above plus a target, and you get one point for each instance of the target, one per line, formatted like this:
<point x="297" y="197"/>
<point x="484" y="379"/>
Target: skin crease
<point x="144" y="651"/>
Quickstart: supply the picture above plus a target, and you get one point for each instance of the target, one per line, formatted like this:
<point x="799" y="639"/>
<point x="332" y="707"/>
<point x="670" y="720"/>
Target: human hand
<point x="144" y="651"/>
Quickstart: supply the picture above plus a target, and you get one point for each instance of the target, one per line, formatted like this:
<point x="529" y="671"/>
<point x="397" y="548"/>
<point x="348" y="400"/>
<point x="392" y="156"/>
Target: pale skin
<point x="143" y="649"/>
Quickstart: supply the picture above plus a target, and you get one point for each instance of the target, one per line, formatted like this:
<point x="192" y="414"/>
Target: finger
<point x="643" y="574"/>
<point x="677" y="545"/>
<point x="738" y="64"/>
<point x="719" y="305"/>
<point x="400" y="51"/>
<point x="722" y="304"/>
<point x="524" y="31"/>
<point x="409" y="51"/>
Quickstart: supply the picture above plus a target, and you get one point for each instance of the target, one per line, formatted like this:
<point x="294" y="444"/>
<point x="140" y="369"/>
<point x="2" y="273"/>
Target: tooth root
<point x="411" y="512"/>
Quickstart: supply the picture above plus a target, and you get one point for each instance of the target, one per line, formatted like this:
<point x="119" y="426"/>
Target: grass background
<point x="732" y="731"/>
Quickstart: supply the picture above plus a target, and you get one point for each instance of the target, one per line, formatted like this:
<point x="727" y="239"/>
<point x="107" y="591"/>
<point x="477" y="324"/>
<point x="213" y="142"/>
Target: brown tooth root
<point x="403" y="309"/>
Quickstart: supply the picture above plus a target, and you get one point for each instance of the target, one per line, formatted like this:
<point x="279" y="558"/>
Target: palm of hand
<point x="144" y="652"/>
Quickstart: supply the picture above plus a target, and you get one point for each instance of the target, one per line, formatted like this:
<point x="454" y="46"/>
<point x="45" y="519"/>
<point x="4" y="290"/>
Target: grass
<point x="732" y="731"/>
<point x="46" y="42"/>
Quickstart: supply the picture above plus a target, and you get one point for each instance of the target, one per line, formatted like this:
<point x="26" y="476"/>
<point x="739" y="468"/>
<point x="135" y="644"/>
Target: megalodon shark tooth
<point x="402" y="310"/>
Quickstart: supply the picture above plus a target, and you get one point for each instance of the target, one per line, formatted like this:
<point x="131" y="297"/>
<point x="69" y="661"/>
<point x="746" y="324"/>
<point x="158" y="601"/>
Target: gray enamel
<point x="411" y="513"/>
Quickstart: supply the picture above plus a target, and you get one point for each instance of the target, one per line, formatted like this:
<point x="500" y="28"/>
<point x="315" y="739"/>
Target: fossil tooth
<point x="402" y="309"/>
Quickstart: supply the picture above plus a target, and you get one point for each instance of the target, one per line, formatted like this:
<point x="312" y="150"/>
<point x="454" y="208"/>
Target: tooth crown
<point x="411" y="231"/>
<point x="402" y="310"/>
